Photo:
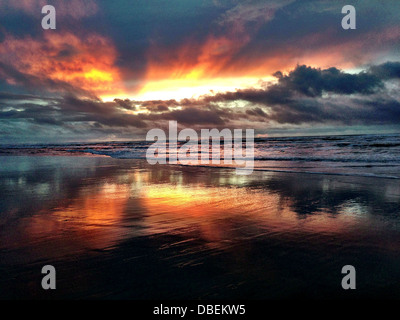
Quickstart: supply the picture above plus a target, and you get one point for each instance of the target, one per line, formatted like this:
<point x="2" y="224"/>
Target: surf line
<point x="189" y="153"/>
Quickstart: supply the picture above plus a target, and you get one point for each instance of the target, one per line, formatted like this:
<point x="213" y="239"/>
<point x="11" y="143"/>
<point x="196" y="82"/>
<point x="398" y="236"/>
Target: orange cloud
<point x="211" y="58"/>
<point x="223" y="55"/>
<point x="195" y="68"/>
<point x="87" y="63"/>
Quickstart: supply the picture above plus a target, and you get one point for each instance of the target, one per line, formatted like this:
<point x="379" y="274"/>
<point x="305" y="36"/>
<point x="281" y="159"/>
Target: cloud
<point x="158" y="105"/>
<point x="257" y="112"/>
<point x="388" y="70"/>
<point x="313" y="82"/>
<point x="39" y="84"/>
<point x="107" y="50"/>
<point x="313" y="95"/>
<point x="61" y="58"/>
<point x="251" y="12"/>
<point x="145" y="42"/>
<point x="194" y="116"/>
<point x="304" y="95"/>
<point x="70" y="110"/>
<point x="125" y="104"/>
<point x="203" y="56"/>
<point x="305" y="81"/>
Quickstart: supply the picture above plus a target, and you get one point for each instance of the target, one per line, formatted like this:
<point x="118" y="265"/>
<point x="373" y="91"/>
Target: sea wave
<point x="365" y="155"/>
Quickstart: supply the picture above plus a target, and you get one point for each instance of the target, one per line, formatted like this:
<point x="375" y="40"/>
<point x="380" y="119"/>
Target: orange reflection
<point x="219" y="210"/>
<point x="223" y="214"/>
<point x="92" y="220"/>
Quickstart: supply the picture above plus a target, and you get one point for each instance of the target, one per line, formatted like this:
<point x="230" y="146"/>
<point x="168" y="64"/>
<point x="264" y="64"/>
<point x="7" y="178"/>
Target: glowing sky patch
<point x="114" y="68"/>
<point x="186" y="88"/>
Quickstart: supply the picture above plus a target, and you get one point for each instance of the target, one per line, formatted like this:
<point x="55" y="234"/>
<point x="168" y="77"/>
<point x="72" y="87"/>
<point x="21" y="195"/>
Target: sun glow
<point x="189" y="87"/>
<point x="98" y="75"/>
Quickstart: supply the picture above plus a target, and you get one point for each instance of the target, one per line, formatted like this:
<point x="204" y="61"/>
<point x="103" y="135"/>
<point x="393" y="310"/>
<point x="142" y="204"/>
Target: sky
<point x="113" y="70"/>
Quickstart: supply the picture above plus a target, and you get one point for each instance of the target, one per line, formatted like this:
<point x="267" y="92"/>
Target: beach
<point x="124" y="229"/>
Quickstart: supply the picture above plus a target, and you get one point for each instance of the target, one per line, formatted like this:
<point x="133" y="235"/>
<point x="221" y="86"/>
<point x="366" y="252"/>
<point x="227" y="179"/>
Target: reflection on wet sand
<point x="226" y="235"/>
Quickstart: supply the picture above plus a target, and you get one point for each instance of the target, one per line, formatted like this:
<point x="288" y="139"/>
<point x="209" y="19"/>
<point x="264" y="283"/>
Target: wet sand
<point x="122" y="229"/>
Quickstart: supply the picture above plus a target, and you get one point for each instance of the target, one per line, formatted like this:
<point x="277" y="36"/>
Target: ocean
<point x="115" y="227"/>
<point x="353" y="155"/>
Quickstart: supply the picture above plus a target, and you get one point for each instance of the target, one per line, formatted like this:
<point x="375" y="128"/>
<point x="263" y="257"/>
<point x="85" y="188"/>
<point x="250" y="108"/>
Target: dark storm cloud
<point x="313" y="95"/>
<point x="305" y="30"/>
<point x="388" y="111"/>
<point x="105" y="113"/>
<point x="303" y="96"/>
<point x="66" y="112"/>
<point x="258" y="112"/>
<point x="247" y="35"/>
<point x="32" y="83"/>
<point x="313" y="82"/>
<point x="70" y="109"/>
<point x="158" y="105"/>
<point x="136" y="26"/>
<point x="194" y="116"/>
<point x="126" y="104"/>
<point x="388" y="70"/>
<point x="306" y="81"/>
<point x="6" y="96"/>
<point x="341" y="111"/>
<point x="158" y="108"/>
<point x="264" y="29"/>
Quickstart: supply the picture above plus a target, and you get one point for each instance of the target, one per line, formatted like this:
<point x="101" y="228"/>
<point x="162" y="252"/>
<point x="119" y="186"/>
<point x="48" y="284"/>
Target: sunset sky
<point x="112" y="70"/>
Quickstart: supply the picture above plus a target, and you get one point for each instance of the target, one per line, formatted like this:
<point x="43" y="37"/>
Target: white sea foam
<point x="361" y="155"/>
